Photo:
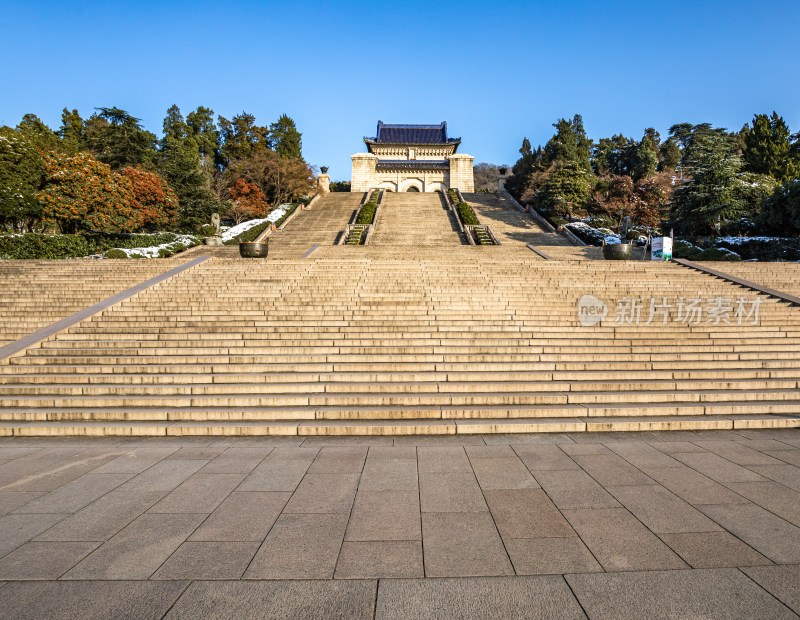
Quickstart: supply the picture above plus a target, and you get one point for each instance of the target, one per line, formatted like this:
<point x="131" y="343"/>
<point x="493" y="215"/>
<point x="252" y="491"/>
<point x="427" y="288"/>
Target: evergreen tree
<point x="37" y="133"/>
<point x="566" y="190"/>
<point x="715" y="191"/>
<point x="285" y="138"/>
<point x="71" y="132"/>
<point x="781" y="211"/>
<point x="570" y="143"/>
<point x="175" y="126"/>
<point x="117" y="139"/>
<point x="669" y="155"/>
<point x="240" y="137"/>
<point x="206" y="137"/>
<point x="768" y="148"/>
<point x="644" y="158"/>
<point x="22" y="171"/>
<point x="525" y="149"/>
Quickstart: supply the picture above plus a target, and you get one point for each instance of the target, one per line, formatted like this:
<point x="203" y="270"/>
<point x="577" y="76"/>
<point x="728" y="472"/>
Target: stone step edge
<point x="400" y="427"/>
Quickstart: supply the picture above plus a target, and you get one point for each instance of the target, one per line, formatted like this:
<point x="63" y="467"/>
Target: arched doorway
<point x="412" y="188"/>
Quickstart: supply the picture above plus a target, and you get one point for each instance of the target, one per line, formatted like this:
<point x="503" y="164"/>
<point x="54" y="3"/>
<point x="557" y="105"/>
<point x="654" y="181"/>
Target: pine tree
<point x="285" y="138"/>
<point x="174" y="124"/>
<point x="768" y="148"/>
<point x="117" y="139"/>
<point x="71" y="132"/>
<point x="569" y="144"/>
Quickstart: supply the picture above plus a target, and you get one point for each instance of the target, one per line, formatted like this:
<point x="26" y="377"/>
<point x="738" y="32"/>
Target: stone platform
<point x="619" y="525"/>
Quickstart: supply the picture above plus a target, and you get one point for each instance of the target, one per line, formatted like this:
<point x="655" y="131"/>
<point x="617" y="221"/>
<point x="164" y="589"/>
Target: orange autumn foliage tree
<point x="157" y="203"/>
<point x="81" y="193"/>
<point x="248" y="200"/>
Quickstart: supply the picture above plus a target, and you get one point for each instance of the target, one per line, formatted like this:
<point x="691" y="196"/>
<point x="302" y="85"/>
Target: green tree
<point x="566" y="190"/>
<point x="175" y="126"/>
<point x="669" y="155"/>
<point x="285" y="138"/>
<point x="71" y="132"/>
<point x="644" y="158"/>
<point x="37" y="133"/>
<point x="768" y="148"/>
<point x="715" y="191"/>
<point x="116" y="138"/>
<point x="240" y="137"/>
<point x="206" y="136"/>
<point x="525" y="149"/>
<point x="22" y="170"/>
<point x="569" y="144"/>
<point x="781" y="211"/>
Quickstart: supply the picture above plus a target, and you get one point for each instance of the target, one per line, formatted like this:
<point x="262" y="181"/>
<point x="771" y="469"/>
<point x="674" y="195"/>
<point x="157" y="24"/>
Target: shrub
<point x="40" y="246"/>
<point x="367" y="213"/>
<point x="115" y="253"/>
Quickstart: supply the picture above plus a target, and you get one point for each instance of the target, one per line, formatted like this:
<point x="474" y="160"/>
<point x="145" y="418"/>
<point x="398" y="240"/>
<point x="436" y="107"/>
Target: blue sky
<point x="495" y="71"/>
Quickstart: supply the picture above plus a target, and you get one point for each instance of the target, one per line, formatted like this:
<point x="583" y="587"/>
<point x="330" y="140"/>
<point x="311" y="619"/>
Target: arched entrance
<point x="412" y="188"/>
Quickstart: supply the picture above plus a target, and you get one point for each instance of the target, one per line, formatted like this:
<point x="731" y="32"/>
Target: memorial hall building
<point x="412" y="158"/>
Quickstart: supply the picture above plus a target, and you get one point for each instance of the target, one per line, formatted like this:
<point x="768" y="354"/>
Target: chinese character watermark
<point x="661" y="311"/>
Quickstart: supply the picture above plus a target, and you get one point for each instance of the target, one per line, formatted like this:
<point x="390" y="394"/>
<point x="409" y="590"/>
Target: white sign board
<point x="661" y="248"/>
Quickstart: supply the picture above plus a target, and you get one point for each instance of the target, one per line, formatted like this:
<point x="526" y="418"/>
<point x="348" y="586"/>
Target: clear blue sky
<point x="495" y="71"/>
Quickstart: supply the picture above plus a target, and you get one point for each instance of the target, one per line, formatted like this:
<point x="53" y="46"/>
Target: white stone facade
<point x="412" y="158"/>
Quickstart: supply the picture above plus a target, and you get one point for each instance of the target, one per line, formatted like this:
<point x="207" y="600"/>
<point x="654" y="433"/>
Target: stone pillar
<point x="461" y="172"/>
<point x="365" y="175"/>
<point x="501" y="182"/>
<point x="324" y="183"/>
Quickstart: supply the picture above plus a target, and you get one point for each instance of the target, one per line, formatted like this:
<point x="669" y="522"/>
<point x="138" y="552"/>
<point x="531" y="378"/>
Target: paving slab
<point x="385" y="515"/>
<point x="574" y="489"/>
<point x="737" y="453"/>
<point x="677" y="447"/>
<point x="135" y="461"/>
<point x="516" y="439"/>
<point x="476" y="599"/>
<point x="713" y="550"/>
<point x="641" y="454"/>
<point x="526" y="513"/>
<point x="163" y="476"/>
<point x="443" y="459"/>
<point x="138" y="550"/>
<point x="502" y="473"/>
<point x="201" y="493"/>
<point x="323" y="493"/>
<point x="620" y="542"/>
<point x="786" y="456"/>
<point x="10" y="501"/>
<point x="718" y="468"/>
<point x="544" y="457"/>
<point x="550" y="556"/>
<point x="787" y="475"/>
<point x="208" y="560"/>
<point x="276" y="600"/>
<point x="392" y="452"/>
<point x="464" y="544"/>
<point x="610" y="469"/>
<point x="450" y="492"/>
<point x="79" y="600"/>
<point x="660" y="510"/>
<point x="76" y="494"/>
<point x="773" y="496"/>
<point x="102" y="519"/>
<point x="201" y="452"/>
<point x="44" y="560"/>
<point x="389" y="474"/>
<point x="242" y="516"/>
<point x="438" y="440"/>
<point x="282" y="470"/>
<point x="783" y="582"/>
<point x="18" y="529"/>
<point x="768" y="534"/>
<point x="380" y="559"/>
<point x="300" y="546"/>
<point x="236" y="461"/>
<point x="693" y="487"/>
<point x="702" y="593"/>
<point x="339" y="460"/>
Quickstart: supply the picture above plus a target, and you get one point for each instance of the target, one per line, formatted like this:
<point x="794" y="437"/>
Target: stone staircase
<point x="36" y="293"/>
<point x="408" y="344"/>
<point x="783" y="277"/>
<point x="509" y="225"/>
<point x="415" y="219"/>
<point x="321" y="224"/>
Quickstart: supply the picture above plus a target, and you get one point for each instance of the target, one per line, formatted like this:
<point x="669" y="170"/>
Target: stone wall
<point x="461" y="172"/>
<point x="364" y="173"/>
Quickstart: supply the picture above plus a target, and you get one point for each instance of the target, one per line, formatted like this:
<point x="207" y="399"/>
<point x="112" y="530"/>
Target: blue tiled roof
<point x="412" y="134"/>
<point x="412" y="164"/>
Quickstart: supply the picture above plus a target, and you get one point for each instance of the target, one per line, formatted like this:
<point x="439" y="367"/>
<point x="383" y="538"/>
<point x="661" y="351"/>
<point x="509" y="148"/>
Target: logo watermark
<point x="661" y="311"/>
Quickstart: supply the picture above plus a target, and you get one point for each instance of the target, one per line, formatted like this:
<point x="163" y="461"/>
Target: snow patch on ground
<point x="237" y="230"/>
<point x="152" y="251"/>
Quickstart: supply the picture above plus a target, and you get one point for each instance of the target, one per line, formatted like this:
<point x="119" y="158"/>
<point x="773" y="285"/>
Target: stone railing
<point x="268" y="230"/>
<point x="477" y="234"/>
<point x="565" y="232"/>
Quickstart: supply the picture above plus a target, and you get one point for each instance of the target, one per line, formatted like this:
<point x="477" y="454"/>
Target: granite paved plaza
<point x="680" y="524"/>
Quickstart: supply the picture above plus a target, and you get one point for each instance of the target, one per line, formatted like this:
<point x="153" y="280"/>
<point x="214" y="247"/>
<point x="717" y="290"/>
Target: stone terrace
<point x="623" y="525"/>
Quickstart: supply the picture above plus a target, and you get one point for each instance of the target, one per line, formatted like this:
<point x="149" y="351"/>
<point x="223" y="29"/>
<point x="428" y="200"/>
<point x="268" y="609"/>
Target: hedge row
<point x="367" y="213"/>
<point x="465" y="212"/>
<point x="41" y="246"/>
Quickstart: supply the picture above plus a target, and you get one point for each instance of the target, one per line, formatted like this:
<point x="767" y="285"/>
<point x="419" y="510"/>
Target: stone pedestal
<point x="324" y="183"/>
<point x="365" y="175"/>
<point x="461" y="172"/>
